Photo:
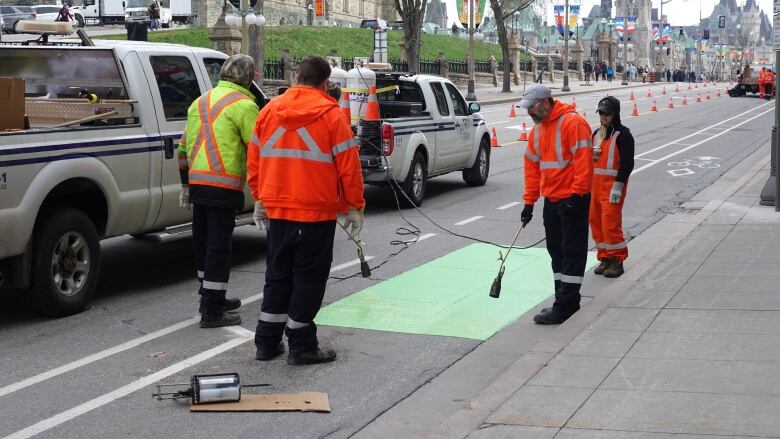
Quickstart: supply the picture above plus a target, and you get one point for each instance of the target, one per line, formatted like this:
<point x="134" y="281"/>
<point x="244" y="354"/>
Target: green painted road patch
<point x="449" y="296"/>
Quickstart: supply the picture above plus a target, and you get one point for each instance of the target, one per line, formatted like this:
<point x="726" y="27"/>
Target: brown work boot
<point x="219" y="320"/>
<point x="266" y="354"/>
<point x="311" y="357"/>
<point x="615" y="269"/>
<point x="602" y="266"/>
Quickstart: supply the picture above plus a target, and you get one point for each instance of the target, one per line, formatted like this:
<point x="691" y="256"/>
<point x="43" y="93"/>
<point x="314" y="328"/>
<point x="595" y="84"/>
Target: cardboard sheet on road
<point x="449" y="295"/>
<point x="294" y="402"/>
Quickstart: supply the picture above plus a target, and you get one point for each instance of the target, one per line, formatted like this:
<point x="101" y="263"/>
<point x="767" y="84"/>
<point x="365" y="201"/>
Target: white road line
<point x="123" y="391"/>
<point x="704" y="129"/>
<point x="468" y="220"/>
<point x="106" y="353"/>
<point x="507" y="206"/>
<point x="695" y="144"/>
<point x="421" y="237"/>
<point x="640" y="158"/>
<point x="349" y="264"/>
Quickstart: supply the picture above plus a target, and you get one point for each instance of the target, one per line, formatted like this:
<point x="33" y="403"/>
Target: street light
<point x="470" y="96"/>
<point x="245" y="16"/>
<point x="566" y="48"/>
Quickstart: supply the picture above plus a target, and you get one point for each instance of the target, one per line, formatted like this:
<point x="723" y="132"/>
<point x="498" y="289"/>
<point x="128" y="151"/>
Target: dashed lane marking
<point x="468" y="220"/>
<point x="349" y="264"/>
<point x="507" y="206"/>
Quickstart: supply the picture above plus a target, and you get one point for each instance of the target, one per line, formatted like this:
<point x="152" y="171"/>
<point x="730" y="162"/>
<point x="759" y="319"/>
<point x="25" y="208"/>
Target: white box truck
<point x="99" y="11"/>
<point x="181" y="11"/>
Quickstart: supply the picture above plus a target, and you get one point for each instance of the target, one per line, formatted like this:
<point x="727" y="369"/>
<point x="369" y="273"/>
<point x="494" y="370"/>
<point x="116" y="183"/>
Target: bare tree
<point x="412" y="13"/>
<point x="503" y="10"/>
<point x="256" y="46"/>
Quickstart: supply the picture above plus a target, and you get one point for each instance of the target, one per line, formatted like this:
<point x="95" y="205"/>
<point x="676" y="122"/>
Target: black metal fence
<point x="482" y="66"/>
<point x="543" y="65"/>
<point x="430" y="66"/>
<point x="459" y="67"/>
<point x="558" y="65"/>
<point x="348" y="64"/>
<point x="572" y="65"/>
<point x="525" y="66"/>
<point x="273" y="70"/>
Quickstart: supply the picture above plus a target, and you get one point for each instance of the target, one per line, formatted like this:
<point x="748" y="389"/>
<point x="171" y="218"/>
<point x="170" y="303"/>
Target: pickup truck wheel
<point x="477" y="175"/>
<point x="66" y="263"/>
<point x="80" y="20"/>
<point x="416" y="180"/>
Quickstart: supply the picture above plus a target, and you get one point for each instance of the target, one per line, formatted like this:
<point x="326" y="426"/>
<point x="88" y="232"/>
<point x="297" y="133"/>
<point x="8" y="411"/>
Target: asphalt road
<point x="91" y="375"/>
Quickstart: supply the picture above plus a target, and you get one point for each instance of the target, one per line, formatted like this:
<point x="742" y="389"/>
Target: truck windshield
<point x="137" y="3"/>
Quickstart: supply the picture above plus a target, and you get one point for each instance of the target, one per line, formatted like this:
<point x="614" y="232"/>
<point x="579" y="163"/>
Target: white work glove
<point x="260" y="216"/>
<point x="616" y="193"/>
<point x="184" y="197"/>
<point x="353" y="223"/>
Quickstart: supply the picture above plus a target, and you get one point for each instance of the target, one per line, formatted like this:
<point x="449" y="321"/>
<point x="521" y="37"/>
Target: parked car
<point x="373" y="23"/>
<point x="13" y="14"/>
<point x="46" y="12"/>
<point x="396" y="25"/>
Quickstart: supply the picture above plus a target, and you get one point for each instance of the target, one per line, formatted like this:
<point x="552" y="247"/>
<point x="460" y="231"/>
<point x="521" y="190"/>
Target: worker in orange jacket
<point x="769" y="84"/>
<point x="303" y="170"/>
<point x="613" y="147"/>
<point x="761" y="82"/>
<point x="559" y="166"/>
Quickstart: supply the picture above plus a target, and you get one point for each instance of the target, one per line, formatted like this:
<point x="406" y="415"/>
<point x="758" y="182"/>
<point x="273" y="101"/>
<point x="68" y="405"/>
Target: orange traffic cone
<point x="676" y="88"/>
<point x="654" y="108"/>
<point x="372" y="106"/>
<point x="574" y="102"/>
<point x="635" y="111"/>
<point x="685" y="100"/>
<point x="708" y="95"/>
<point x="512" y="111"/>
<point x="649" y="93"/>
<point x="344" y="105"/>
<point x="523" y="133"/>
<point x="494" y="140"/>
<point x="698" y="98"/>
<point x="631" y="98"/>
<point x="663" y="92"/>
<point x="717" y="95"/>
<point x="671" y="103"/>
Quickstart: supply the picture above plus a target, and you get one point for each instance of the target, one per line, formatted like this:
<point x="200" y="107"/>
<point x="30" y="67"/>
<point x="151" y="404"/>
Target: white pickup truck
<point x="427" y="129"/>
<point x="97" y="159"/>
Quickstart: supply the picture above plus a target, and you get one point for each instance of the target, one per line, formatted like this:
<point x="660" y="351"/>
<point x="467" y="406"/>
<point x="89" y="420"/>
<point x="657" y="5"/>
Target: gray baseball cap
<point x="534" y="92"/>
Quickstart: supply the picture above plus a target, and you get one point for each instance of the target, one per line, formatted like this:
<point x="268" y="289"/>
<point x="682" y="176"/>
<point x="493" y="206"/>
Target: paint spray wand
<point x="365" y="270"/>
<point x="495" y="289"/>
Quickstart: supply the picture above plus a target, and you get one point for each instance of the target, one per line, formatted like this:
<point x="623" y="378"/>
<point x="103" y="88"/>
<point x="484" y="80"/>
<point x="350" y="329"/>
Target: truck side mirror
<point x="474" y="107"/>
<point x="123" y="5"/>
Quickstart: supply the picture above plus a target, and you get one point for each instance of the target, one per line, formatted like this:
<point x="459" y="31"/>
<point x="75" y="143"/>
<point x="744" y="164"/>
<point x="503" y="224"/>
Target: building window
<point x="362" y="8"/>
<point x="346" y="6"/>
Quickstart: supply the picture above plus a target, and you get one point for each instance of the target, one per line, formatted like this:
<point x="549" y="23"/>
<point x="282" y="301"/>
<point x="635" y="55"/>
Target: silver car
<point x="13" y="14"/>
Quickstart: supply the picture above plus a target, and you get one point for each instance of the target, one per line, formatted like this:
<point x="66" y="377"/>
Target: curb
<point x="656" y="242"/>
<point x="507" y="100"/>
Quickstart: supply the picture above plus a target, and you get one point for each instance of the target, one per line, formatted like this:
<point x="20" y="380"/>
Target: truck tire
<point x="65" y="263"/>
<point x="477" y="175"/>
<point x="80" y="20"/>
<point x="416" y="180"/>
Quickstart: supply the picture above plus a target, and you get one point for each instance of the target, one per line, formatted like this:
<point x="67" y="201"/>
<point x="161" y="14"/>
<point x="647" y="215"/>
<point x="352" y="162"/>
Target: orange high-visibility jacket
<point x="303" y="162"/>
<point x="559" y="156"/>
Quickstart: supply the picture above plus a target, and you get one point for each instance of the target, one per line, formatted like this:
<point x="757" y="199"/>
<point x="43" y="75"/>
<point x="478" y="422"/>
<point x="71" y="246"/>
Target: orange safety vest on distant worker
<point x="303" y="162"/>
<point x="606" y="219"/>
<point x="559" y="156"/>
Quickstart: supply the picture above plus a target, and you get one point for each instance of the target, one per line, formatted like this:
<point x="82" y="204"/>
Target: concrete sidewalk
<point x="687" y="342"/>
<point x="489" y="95"/>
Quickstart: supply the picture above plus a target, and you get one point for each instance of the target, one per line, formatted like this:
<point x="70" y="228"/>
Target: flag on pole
<point x="558" y="11"/>
<point x="574" y="14"/>
<point x="631" y="24"/>
<point x="619" y="26"/>
<point x="655" y="35"/>
<point x="665" y="34"/>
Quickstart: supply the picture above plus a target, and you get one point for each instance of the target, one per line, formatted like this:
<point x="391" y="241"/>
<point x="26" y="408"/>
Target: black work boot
<point x="615" y="269"/>
<point x="230" y="305"/>
<point x="602" y="266"/>
<point x="266" y="354"/>
<point x="311" y="357"/>
<point x="551" y="316"/>
<point x="219" y="320"/>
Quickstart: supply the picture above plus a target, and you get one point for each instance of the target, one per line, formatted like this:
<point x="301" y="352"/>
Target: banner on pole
<point x="319" y="8"/>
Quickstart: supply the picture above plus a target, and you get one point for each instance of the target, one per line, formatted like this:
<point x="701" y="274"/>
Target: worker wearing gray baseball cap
<point x="559" y="167"/>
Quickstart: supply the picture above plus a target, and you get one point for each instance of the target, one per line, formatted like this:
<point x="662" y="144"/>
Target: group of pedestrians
<point x="583" y="177"/>
<point x="300" y="161"/>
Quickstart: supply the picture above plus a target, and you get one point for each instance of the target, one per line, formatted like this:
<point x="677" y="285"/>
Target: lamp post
<point x="565" y="48"/>
<point x="625" y="45"/>
<point x="470" y="96"/>
<point x="245" y="16"/>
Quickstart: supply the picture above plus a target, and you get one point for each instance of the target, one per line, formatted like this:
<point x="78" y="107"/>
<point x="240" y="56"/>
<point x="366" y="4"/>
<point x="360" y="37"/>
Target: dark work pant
<point x="566" y="231"/>
<point x="212" y="232"/>
<point x="299" y="258"/>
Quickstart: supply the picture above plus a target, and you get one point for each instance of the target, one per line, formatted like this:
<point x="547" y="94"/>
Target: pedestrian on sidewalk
<point x="613" y="152"/>
<point x="212" y="166"/>
<point x="304" y="170"/>
<point x="154" y="15"/>
<point x="559" y="166"/>
<point x="597" y="71"/>
<point x="610" y="73"/>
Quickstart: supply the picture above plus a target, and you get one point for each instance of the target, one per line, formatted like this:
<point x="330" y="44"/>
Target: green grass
<point x="303" y="41"/>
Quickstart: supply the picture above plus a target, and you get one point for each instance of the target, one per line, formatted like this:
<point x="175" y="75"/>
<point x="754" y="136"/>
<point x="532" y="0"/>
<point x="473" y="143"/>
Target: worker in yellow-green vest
<point x="212" y="164"/>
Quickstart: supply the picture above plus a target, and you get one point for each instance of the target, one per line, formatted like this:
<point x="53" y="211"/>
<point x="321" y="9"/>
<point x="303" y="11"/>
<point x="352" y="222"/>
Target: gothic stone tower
<point x="641" y="37"/>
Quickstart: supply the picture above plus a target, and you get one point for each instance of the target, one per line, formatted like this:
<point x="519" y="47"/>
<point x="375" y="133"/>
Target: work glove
<point x="574" y="203"/>
<point x="616" y="193"/>
<point x="260" y="216"/>
<point x="527" y="214"/>
<point x="184" y="197"/>
<point x="353" y="223"/>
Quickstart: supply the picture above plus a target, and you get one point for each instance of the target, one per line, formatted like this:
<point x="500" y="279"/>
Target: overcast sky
<point x="680" y="12"/>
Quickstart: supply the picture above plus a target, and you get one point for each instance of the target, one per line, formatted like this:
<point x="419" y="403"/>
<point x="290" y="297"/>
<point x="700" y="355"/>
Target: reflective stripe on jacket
<point x="608" y="163"/>
<point x="303" y="161"/>
<point x="559" y="156"/>
<point x="212" y="150"/>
